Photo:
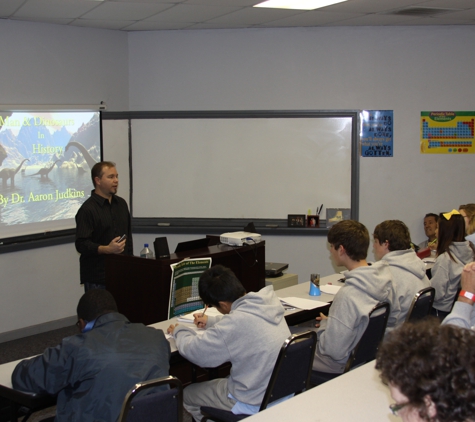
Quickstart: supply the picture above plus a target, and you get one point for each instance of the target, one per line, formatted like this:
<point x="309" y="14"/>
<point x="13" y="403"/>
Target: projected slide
<point x="45" y="166"/>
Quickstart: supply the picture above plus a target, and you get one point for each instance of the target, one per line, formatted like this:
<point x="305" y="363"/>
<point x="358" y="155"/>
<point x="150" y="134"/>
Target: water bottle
<point x="146" y="252"/>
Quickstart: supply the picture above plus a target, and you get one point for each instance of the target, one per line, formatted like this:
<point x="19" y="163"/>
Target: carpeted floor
<point x="33" y="345"/>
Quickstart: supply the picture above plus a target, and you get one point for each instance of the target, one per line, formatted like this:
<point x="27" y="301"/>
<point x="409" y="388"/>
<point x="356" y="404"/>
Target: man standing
<point x="365" y="286"/>
<point x="430" y="227"/>
<point x="91" y="372"/>
<point x="392" y="243"/>
<point x="249" y="335"/>
<point x="101" y="223"/>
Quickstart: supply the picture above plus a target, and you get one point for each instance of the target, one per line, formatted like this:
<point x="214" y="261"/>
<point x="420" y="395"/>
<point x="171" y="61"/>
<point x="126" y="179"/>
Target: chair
<point x="421" y="304"/>
<point x="161" y="405"/>
<point x="368" y="345"/>
<point x="291" y="375"/>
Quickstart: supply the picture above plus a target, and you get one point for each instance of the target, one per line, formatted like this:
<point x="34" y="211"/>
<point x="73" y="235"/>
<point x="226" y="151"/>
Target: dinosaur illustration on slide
<point x="3" y="154"/>
<point x="9" y="173"/>
<point x="89" y="160"/>
<point x="80" y="169"/>
<point x="44" y="171"/>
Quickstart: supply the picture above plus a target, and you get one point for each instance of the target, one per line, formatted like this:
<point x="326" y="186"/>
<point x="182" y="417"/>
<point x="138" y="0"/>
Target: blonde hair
<point x="470" y="211"/>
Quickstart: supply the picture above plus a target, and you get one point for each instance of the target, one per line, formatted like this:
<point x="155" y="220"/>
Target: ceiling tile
<point x="55" y="9"/>
<point x="125" y="11"/>
<point x="192" y="13"/>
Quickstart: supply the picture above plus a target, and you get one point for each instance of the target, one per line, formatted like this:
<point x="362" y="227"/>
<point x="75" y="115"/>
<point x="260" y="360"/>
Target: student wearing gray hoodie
<point x="453" y="252"/>
<point x="365" y="286"/>
<point x="392" y="244"/>
<point x="249" y="334"/>
<point x="463" y="312"/>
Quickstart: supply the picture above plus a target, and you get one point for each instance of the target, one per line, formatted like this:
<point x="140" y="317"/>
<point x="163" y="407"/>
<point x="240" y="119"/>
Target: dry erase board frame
<point x="147" y="143"/>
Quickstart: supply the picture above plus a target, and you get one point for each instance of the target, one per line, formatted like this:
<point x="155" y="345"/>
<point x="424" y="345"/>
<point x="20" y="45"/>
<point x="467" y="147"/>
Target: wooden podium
<point x="141" y="287"/>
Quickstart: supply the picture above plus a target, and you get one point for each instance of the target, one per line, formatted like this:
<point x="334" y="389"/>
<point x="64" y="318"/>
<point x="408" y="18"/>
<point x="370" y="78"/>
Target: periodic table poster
<point x="447" y="132"/>
<point x="184" y="295"/>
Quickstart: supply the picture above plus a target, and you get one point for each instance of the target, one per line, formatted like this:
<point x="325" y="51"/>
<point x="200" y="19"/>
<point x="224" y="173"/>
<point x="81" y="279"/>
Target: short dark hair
<point x="98" y="170"/>
<point x="451" y="230"/>
<point x="95" y="303"/>
<point x="429" y="359"/>
<point x="431" y="214"/>
<point x="395" y="232"/>
<point x="353" y="236"/>
<point x="219" y="284"/>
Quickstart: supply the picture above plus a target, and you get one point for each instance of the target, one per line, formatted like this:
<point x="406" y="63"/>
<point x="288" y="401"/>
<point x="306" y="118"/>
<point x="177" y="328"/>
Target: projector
<point x="240" y="238"/>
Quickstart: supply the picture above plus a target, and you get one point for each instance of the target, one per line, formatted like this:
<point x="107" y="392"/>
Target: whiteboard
<point x="241" y="167"/>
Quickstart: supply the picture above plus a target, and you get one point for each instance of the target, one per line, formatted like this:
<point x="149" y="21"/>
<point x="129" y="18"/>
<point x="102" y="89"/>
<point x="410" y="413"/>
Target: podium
<point x="141" y="287"/>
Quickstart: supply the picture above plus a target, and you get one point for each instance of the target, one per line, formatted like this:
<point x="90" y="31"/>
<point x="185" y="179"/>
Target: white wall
<point x="53" y="64"/>
<point x="405" y="69"/>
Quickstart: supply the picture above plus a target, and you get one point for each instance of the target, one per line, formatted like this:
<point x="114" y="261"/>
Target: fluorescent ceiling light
<point x="297" y="4"/>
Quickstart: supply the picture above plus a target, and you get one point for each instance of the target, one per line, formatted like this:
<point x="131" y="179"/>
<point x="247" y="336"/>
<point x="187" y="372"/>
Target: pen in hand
<point x="201" y="319"/>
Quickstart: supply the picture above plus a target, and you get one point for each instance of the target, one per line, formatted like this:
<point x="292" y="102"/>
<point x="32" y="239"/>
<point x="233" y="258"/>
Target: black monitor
<point x="192" y="245"/>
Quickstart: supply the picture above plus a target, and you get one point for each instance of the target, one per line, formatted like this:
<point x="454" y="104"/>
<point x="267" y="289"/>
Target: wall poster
<point x="376" y="135"/>
<point x="184" y="296"/>
<point x="447" y="132"/>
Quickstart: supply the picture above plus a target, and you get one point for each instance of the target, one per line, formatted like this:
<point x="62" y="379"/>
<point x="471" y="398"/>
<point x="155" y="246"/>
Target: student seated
<point x="392" y="243"/>
<point x="468" y="213"/>
<point x="365" y="286"/>
<point x="430" y="227"/>
<point x="463" y="312"/>
<point x="430" y="371"/>
<point x="453" y="252"/>
<point x="249" y="335"/>
<point x="92" y="372"/>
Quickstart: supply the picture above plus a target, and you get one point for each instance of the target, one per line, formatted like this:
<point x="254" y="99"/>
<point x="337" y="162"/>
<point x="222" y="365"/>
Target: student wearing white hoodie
<point x="453" y="252"/>
<point x="392" y="244"/>
<point x="365" y="286"/>
<point x="249" y="335"/>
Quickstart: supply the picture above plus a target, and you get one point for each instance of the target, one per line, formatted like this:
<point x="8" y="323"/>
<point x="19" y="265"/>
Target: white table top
<point x="299" y="290"/>
<point x="6" y="372"/>
<point x="302" y="289"/>
<point x="358" y="395"/>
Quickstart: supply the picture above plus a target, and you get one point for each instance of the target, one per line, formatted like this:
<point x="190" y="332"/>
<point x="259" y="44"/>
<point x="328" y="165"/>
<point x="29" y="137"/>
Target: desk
<point x="358" y="395"/>
<point x="141" y="287"/>
<point x="178" y="365"/>
<point x="18" y="398"/>
<point x="285" y="280"/>
<point x="299" y="316"/>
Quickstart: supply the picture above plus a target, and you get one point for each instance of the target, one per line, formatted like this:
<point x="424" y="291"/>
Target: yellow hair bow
<point x="448" y="215"/>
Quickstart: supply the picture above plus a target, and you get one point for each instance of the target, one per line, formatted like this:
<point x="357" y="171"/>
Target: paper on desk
<point x="330" y="289"/>
<point x="190" y="318"/>
<point x="199" y="331"/>
<point x="300" y="303"/>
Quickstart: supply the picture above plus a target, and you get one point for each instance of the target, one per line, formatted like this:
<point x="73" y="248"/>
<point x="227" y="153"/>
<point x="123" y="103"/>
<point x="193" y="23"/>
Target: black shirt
<point x="98" y="221"/>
